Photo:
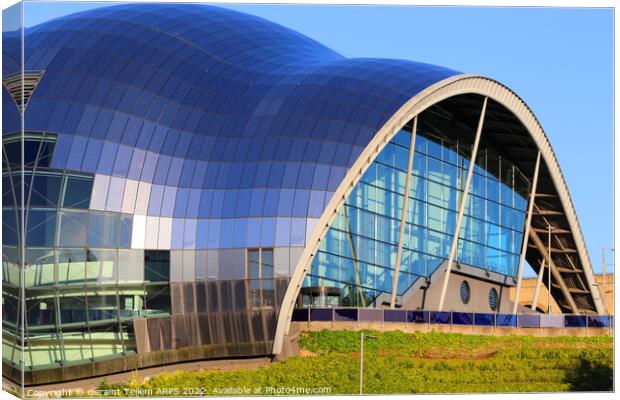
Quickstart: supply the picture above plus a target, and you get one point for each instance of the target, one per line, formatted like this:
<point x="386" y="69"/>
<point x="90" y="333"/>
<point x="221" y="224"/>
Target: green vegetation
<point x="397" y="362"/>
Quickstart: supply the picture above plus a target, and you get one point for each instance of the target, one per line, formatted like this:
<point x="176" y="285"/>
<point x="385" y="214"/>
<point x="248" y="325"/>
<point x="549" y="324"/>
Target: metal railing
<point x="452" y="318"/>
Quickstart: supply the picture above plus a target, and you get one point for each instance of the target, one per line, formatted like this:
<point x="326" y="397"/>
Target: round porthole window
<point x="465" y="292"/>
<point x="493" y="299"/>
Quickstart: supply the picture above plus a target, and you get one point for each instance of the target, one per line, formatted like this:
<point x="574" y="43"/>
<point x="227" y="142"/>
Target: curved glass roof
<point x="218" y="92"/>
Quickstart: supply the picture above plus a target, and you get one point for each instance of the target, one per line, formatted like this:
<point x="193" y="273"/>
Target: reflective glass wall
<point x="359" y="251"/>
<point x="12" y="294"/>
<point x="83" y="284"/>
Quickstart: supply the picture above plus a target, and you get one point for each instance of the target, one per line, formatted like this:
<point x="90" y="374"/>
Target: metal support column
<point x="549" y="275"/>
<point x="604" y="283"/>
<point x="553" y="270"/>
<point x="526" y="234"/>
<point x="538" y="285"/>
<point x="459" y="219"/>
<point x="403" y="217"/>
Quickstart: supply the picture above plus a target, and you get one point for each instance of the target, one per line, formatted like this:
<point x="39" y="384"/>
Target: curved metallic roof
<point x="208" y="87"/>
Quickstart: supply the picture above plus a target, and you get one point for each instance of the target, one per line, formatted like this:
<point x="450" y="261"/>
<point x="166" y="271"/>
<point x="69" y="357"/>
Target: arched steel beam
<point x="450" y="87"/>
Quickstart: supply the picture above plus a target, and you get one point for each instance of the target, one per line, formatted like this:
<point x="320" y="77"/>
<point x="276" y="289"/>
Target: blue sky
<point x="559" y="60"/>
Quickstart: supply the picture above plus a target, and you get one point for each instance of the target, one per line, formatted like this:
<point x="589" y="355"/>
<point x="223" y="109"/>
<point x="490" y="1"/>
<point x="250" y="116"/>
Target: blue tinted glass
<point x="168" y="201"/>
<point x="46" y="189"/>
<point x="77" y="152"/>
<point x="103" y="229"/>
<point x="91" y="155"/>
<point x="367" y="229"/>
<point x="126" y="225"/>
<point x="41" y="227"/>
<point x="178" y="229"/>
<point x="123" y="159"/>
<point x="77" y="192"/>
<point x="107" y="158"/>
<point x="157" y="193"/>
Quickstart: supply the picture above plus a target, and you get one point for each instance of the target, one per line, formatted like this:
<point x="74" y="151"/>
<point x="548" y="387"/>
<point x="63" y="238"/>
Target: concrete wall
<point x="428" y="299"/>
<point x="528" y="287"/>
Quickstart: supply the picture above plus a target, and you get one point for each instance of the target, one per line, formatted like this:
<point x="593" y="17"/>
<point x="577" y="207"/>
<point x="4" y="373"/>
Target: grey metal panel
<point x="201" y="297"/>
<point x="176" y="298"/>
<point x="204" y="329"/>
<point x="166" y="333"/>
<point x="257" y="326"/>
<point x="141" y="335"/>
<point x="213" y="294"/>
<point x="216" y="321"/>
<point x="281" y="286"/>
<point x="154" y="332"/>
<point x="188" y="298"/>
<point x="240" y="293"/>
<point x="226" y="291"/>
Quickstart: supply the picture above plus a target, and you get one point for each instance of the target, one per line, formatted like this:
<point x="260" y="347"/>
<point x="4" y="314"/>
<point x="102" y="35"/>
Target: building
<point x="191" y="173"/>
<point x="528" y="290"/>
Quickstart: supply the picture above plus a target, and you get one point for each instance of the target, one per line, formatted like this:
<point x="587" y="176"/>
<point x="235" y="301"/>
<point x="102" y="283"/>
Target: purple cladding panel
<point x="321" y="314"/>
<point x="345" y="314"/>
<point x="395" y="315"/>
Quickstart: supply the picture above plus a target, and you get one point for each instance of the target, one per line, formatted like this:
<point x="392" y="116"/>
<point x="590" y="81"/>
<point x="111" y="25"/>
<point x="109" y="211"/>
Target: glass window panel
<point x="77" y="192"/>
<point x="40" y="227"/>
<point x="73" y="228"/>
<point x="158" y="300"/>
<point x="71" y="266"/>
<point x="102" y="306"/>
<point x="157" y="265"/>
<point x="125" y="231"/>
<point x="130" y="266"/>
<point x="39" y="267"/>
<point x="103" y="229"/>
<point x="45" y="189"/>
<point x="72" y="310"/>
<point x="267" y="265"/>
<point x="101" y="266"/>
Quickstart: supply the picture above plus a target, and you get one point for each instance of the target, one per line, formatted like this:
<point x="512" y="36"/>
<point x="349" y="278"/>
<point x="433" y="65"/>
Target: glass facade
<point x="359" y="251"/>
<point x="177" y="159"/>
<point x="82" y="280"/>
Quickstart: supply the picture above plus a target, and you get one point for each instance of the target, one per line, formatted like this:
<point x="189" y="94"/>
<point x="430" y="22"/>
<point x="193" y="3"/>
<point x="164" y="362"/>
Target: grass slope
<point x="398" y="362"/>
